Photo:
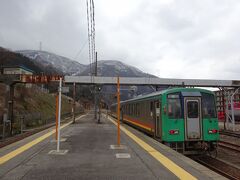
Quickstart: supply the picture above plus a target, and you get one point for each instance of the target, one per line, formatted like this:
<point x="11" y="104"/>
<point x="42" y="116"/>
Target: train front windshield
<point x="208" y="105"/>
<point x="174" y="106"/>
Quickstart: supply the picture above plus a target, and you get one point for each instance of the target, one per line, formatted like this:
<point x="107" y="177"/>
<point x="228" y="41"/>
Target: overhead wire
<point x="93" y="19"/>
<point x="92" y="32"/>
<point x="89" y="40"/>
<point x="81" y="49"/>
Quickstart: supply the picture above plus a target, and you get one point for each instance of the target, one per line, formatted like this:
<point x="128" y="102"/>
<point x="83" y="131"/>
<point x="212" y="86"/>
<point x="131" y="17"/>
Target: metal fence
<point x="26" y="122"/>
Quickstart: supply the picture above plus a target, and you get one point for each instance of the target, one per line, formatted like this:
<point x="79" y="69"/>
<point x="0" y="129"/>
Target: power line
<point x="93" y="33"/>
<point x="89" y="40"/>
<point x="91" y="27"/>
<point x="81" y="49"/>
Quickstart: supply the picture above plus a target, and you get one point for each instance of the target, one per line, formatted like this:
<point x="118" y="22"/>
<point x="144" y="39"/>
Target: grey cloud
<point x="169" y="38"/>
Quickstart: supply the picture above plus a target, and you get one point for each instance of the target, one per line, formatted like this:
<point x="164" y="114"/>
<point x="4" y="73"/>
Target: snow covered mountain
<point x="70" y="67"/>
<point x="65" y="65"/>
<point x="109" y="68"/>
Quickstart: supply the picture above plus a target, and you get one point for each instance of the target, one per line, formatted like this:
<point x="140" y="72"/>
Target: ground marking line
<point x="170" y="165"/>
<point x="25" y="147"/>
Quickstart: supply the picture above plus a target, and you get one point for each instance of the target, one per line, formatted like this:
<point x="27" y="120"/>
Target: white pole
<point x="232" y="111"/>
<point x="227" y="113"/>
<point x="59" y="113"/>
<point x="232" y="108"/>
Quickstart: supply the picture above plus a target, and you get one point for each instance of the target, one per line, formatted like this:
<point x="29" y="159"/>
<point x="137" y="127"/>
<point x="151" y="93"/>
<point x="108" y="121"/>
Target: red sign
<point x="39" y="78"/>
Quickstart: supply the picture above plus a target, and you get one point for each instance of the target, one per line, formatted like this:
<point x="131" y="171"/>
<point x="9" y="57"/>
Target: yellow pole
<point x="56" y="117"/>
<point x="118" y="110"/>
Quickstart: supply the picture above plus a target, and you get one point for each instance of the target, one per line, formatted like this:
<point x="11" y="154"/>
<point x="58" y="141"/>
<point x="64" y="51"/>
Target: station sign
<point x="65" y="89"/>
<point x="39" y="79"/>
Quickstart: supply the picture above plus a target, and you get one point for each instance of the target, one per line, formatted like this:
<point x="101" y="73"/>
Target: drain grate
<point x="123" y="156"/>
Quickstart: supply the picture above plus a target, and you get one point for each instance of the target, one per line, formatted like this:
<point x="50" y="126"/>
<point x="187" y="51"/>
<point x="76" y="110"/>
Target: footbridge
<point x="94" y="80"/>
<point x="151" y="81"/>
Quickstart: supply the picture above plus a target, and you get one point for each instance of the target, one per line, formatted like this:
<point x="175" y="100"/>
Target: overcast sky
<point x="167" y="38"/>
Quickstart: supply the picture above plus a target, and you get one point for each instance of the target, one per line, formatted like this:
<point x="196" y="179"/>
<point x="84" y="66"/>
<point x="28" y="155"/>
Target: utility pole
<point x="96" y="65"/>
<point x="10" y="108"/>
<point x="99" y="107"/>
<point x="57" y="99"/>
<point x="59" y="113"/>
<point x="74" y="101"/>
<point x="118" y="111"/>
<point x="95" y="91"/>
<point x="42" y="83"/>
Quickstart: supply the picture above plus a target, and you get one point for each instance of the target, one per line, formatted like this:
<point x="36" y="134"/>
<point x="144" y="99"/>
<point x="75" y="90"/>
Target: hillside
<point x="63" y="64"/>
<point x="9" y="58"/>
<point x="36" y="107"/>
<point x="105" y="68"/>
<point x="109" y="68"/>
<point x="70" y="67"/>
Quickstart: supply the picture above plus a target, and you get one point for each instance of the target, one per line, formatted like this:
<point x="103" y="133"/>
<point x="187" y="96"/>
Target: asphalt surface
<point x="89" y="156"/>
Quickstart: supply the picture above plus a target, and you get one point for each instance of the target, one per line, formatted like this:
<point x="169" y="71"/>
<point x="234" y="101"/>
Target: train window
<point x="128" y="109"/>
<point x="151" y="106"/>
<point x="192" y="109"/>
<point x="131" y="109"/>
<point x="138" y="109"/>
<point x="174" y="109"/>
<point x="135" y="110"/>
<point x="208" y="106"/>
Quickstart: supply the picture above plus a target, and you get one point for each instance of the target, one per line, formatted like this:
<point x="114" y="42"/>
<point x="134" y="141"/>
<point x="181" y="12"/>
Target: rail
<point x="28" y="133"/>
<point x="230" y="146"/>
<point x="229" y="133"/>
<point x="219" y="166"/>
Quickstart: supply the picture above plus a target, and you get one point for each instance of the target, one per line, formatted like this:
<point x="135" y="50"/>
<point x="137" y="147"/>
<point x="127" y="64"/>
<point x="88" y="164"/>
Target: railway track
<point x="19" y="137"/>
<point x="230" y="146"/>
<point x="229" y="133"/>
<point x="219" y="166"/>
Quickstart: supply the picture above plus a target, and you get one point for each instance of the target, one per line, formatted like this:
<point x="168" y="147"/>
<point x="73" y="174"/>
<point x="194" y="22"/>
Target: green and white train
<point x="183" y="118"/>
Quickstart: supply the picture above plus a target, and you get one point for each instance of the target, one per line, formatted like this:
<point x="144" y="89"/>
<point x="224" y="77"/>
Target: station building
<point x="16" y="70"/>
<point x="223" y="96"/>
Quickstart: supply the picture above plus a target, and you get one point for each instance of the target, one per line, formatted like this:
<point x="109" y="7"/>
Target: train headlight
<point x="173" y="131"/>
<point x="212" y="131"/>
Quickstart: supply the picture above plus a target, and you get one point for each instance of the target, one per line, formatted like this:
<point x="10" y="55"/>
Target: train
<point x="236" y="107"/>
<point x="184" y="119"/>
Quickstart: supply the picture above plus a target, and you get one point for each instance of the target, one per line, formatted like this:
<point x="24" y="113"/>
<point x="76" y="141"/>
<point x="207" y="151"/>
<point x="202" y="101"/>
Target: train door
<point x="158" y="119"/>
<point x="192" y="118"/>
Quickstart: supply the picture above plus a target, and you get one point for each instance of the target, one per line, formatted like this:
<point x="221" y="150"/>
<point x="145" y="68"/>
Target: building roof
<point x="22" y="67"/>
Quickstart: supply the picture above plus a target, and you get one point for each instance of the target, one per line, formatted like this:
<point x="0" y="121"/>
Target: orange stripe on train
<point x="148" y="127"/>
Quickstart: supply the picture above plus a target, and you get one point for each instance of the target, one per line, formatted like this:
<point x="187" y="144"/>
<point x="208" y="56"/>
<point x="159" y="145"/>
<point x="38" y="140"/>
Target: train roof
<point x="167" y="91"/>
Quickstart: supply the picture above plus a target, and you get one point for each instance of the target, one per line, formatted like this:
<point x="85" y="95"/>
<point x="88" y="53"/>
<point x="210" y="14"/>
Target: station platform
<point x="92" y="154"/>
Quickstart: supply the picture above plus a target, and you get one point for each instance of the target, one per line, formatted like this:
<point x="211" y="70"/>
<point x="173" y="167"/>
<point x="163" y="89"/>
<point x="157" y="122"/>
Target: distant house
<point x="16" y="70"/>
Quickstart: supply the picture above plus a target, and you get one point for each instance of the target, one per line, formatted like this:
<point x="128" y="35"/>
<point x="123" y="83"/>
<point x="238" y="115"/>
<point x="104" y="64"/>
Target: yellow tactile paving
<point x="25" y="147"/>
<point x="174" y="168"/>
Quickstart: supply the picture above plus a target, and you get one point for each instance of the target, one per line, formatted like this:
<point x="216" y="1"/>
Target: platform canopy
<point x="151" y="81"/>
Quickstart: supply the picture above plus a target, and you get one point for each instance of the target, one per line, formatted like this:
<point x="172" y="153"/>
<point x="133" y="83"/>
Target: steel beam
<point x="151" y="81"/>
